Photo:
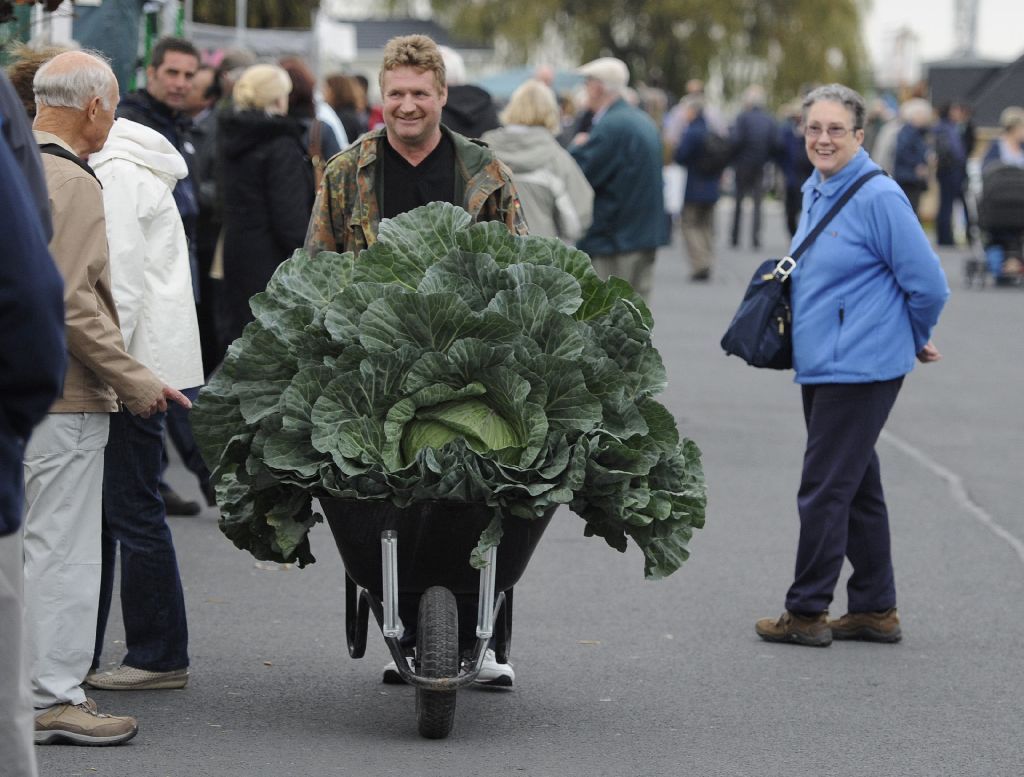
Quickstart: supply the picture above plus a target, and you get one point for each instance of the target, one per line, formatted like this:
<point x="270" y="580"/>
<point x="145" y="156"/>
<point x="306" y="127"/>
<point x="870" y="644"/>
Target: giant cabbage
<point x="451" y="361"/>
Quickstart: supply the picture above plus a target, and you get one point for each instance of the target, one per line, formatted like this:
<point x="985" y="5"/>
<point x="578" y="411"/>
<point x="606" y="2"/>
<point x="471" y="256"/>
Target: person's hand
<point x="160" y="403"/>
<point x="580" y="139"/>
<point x="929" y="353"/>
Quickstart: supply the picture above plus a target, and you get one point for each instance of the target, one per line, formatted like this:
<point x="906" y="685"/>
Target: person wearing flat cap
<point x="621" y="157"/>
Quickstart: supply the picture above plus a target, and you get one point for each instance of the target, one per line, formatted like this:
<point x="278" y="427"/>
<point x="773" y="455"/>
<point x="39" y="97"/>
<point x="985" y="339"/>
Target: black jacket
<point x="469" y="111"/>
<point x="268" y="196"/>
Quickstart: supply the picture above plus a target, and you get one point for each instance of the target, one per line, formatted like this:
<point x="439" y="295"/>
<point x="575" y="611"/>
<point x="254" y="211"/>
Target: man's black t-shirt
<point x="405" y="186"/>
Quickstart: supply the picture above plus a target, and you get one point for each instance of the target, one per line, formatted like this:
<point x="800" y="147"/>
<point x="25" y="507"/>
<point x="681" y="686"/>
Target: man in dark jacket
<point x="160" y="105"/>
<point x="33" y="360"/>
<point x="753" y="138"/>
<point x="469" y="109"/>
<point x="622" y="159"/>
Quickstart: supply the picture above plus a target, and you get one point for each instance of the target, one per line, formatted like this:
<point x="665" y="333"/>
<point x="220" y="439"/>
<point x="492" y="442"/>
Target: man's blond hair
<point x="416" y="51"/>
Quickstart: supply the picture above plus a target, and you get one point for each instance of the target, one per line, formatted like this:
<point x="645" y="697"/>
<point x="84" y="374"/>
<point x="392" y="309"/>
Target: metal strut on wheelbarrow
<point x="437" y="539"/>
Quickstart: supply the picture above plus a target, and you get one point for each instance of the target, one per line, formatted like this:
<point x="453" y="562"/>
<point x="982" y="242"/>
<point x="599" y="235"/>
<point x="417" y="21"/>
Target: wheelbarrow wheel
<point x="437" y="651"/>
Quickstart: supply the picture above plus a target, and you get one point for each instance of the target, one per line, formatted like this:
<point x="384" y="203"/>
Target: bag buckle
<point x="784" y="268"/>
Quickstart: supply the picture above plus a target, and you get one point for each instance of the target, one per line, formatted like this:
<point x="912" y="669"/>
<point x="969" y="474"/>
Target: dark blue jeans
<point x="179" y="429"/>
<point x="842" y="507"/>
<point x="152" y="601"/>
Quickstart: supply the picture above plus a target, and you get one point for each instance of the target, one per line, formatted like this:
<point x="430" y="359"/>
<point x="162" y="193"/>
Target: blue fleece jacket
<point x="869" y="290"/>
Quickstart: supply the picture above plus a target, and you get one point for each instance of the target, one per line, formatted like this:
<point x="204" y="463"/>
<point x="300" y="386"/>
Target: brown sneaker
<point x="82" y="724"/>
<point x="868" y="626"/>
<point x="128" y="678"/>
<point x="812" y="631"/>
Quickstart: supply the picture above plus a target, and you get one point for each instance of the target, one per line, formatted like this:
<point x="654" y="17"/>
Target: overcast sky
<point x="1000" y="27"/>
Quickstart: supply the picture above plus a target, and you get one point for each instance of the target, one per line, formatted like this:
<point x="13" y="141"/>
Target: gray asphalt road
<point x="622" y="677"/>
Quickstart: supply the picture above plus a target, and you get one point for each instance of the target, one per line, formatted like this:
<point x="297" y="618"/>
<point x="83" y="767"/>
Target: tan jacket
<point x="100" y="372"/>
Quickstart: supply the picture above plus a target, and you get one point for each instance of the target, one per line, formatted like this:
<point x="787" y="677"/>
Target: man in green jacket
<point x="412" y="161"/>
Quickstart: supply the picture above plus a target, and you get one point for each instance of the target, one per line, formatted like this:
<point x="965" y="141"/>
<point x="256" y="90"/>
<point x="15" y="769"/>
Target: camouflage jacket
<point x="346" y="213"/>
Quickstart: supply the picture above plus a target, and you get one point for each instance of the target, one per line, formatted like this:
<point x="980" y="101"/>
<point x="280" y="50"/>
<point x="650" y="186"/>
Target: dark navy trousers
<point x="841" y="504"/>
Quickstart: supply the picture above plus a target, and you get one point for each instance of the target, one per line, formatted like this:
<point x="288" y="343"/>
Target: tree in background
<point x="261" y="13"/>
<point x="782" y="44"/>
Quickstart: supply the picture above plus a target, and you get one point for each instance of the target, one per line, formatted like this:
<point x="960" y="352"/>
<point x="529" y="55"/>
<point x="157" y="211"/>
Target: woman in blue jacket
<point x="865" y="298"/>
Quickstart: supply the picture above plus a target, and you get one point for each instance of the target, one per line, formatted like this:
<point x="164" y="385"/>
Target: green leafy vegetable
<point x="450" y="361"/>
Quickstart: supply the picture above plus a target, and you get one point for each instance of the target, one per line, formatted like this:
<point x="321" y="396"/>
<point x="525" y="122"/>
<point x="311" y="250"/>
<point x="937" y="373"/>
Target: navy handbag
<point x="761" y="330"/>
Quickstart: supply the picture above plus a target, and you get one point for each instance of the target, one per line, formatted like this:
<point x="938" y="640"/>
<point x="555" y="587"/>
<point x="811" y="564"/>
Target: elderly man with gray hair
<point x="76" y="94"/>
<point x="621" y="158"/>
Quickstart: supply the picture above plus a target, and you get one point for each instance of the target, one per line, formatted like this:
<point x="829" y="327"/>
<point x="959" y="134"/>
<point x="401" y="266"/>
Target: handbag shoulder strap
<point x="820" y="226"/>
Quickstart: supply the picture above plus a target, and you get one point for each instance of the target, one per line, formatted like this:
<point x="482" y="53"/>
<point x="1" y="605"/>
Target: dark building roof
<point x="372" y="34"/>
<point x="986" y="85"/>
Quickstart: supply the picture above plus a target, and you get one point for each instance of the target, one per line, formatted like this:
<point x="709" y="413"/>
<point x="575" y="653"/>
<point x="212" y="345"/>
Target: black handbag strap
<point x="786" y="265"/>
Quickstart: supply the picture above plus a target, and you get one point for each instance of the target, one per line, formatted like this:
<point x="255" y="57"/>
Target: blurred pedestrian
<point x="621" y="156"/>
<point x="950" y="170"/>
<point x="469" y="109"/>
<point x="268" y="188"/>
<point x="865" y="300"/>
<point x="318" y="138"/>
<point x="152" y="288"/>
<point x="341" y="94"/>
<point x="701" y="193"/>
<point x="557" y="199"/>
<point x="913" y="151"/>
<point x="160" y="105"/>
<point x="793" y="163"/>
<point x="76" y="95"/>
<point x="32" y="352"/>
<point x="754" y="135"/>
<point x="414" y="160"/>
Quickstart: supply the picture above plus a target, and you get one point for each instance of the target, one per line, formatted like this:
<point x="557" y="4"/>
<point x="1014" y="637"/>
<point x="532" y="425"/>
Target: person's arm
<point x="580" y="198"/>
<point x="897" y="237"/>
<point x="327" y="219"/>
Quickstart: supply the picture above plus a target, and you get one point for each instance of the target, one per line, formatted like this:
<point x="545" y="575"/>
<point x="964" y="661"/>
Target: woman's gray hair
<point x="60" y="86"/>
<point x="837" y="93"/>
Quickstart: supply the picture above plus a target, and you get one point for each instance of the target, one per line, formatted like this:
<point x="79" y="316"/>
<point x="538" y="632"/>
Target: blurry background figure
<point x="317" y="136"/>
<point x="950" y="170"/>
<point x="702" y="191"/>
<point x="793" y="162"/>
<point x="25" y="61"/>
<point x="753" y="140"/>
<point x="913" y="152"/>
<point x="470" y="110"/>
<point x="160" y="105"/>
<point x="341" y="93"/>
<point x="202" y="96"/>
<point x="268" y="188"/>
<point x="557" y="200"/>
<point x="206" y="174"/>
<point x="1001" y="211"/>
<point x="621" y="157"/>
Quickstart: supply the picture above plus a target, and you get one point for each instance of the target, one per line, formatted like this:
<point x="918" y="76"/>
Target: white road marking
<point x="958" y="490"/>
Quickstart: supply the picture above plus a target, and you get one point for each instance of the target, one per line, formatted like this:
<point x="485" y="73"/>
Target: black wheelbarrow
<point x="411" y="566"/>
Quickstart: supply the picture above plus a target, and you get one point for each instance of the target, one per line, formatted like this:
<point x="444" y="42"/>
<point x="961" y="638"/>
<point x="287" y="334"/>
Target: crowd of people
<point x="167" y="208"/>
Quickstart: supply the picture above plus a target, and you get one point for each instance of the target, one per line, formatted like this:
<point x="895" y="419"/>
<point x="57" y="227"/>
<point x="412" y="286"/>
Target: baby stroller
<point x="1001" y="222"/>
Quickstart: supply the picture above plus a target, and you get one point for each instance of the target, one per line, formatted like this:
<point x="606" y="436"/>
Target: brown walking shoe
<point x="82" y="724"/>
<point x="868" y="626"/>
<point x="812" y="631"/>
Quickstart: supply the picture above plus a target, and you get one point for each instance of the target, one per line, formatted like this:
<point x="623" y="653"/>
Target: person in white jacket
<point x="556" y="197"/>
<point x="152" y="290"/>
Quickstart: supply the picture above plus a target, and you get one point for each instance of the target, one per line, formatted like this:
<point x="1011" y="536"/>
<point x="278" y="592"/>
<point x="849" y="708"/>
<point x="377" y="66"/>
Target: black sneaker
<point x="178" y="505"/>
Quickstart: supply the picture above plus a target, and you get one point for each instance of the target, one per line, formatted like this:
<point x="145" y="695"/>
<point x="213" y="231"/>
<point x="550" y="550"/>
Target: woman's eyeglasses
<point x="835" y="131"/>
